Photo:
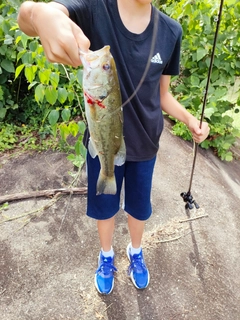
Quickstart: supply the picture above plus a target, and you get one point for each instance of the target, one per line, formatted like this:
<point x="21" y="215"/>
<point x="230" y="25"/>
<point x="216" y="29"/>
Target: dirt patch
<point x="47" y="263"/>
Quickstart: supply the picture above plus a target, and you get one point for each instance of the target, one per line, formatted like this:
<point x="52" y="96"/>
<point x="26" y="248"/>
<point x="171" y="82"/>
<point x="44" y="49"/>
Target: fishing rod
<point x="187" y="196"/>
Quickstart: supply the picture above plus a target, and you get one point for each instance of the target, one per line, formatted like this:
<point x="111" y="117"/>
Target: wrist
<point x="24" y="18"/>
<point x="32" y="17"/>
<point x="192" y="122"/>
<point x="36" y="10"/>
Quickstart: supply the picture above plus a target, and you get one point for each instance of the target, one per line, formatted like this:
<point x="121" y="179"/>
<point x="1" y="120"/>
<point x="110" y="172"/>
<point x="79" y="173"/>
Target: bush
<point x="8" y="53"/>
<point x="49" y="96"/>
<point x="198" y="20"/>
<point x="34" y="91"/>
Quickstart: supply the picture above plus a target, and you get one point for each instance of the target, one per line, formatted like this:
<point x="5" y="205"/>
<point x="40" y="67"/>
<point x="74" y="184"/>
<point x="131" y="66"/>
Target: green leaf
<point x="54" y="79"/>
<point x="20" y="54"/>
<point x="3" y="49"/>
<point x="27" y="58"/>
<point x="83" y="150"/>
<point x="24" y="40"/>
<point x="205" y="144"/>
<point x="73" y="128"/>
<point x="70" y="96"/>
<point x="30" y="72"/>
<point x="33" y="45"/>
<point x="18" y="70"/>
<point x="54" y="129"/>
<point x="62" y="95"/>
<point x="194" y="81"/>
<point x="77" y="161"/>
<point x="40" y="93"/>
<point x="77" y="148"/>
<point x="209" y="112"/>
<point x="66" y="113"/>
<point x="53" y="117"/>
<point x="188" y="9"/>
<point x="228" y="156"/>
<point x="3" y="112"/>
<point x="81" y="127"/>
<point x="203" y="83"/>
<point x="214" y="75"/>
<point x="71" y="157"/>
<point x="32" y="84"/>
<point x="51" y="94"/>
<point x="44" y="76"/>
<point x="8" y="39"/>
<point x="17" y="39"/>
<point x="64" y="131"/>
<point x="80" y="149"/>
<point x="201" y="53"/>
<point x="8" y="66"/>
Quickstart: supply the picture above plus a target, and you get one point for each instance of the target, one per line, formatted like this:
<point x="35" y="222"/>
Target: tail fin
<point x="106" y="185"/>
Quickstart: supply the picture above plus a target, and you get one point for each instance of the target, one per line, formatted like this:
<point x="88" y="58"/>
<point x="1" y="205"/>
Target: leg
<point x="138" y="182"/>
<point x="136" y="228"/>
<point x="137" y="270"/>
<point x="103" y="208"/>
<point x="105" y="231"/>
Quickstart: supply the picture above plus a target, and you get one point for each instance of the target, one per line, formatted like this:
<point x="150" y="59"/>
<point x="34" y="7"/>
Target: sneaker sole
<point x="131" y="274"/>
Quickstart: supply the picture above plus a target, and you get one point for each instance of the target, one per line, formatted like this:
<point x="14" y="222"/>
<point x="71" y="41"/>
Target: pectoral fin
<point x="120" y="157"/>
<point x="92" y="149"/>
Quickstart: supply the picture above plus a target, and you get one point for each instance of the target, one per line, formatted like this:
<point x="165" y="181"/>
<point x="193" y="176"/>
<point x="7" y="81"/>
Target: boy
<point x="67" y="27"/>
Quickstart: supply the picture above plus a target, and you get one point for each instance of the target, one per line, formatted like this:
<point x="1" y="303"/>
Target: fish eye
<point x="106" y="66"/>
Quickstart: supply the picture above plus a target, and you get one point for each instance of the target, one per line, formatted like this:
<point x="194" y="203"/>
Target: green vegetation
<point x="198" y="20"/>
<point x="41" y="104"/>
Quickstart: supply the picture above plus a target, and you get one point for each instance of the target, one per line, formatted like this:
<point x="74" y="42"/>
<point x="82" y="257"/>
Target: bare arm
<point x="60" y="36"/>
<point x="172" y="107"/>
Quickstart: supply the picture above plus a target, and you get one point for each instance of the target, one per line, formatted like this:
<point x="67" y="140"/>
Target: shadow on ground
<point x="47" y="264"/>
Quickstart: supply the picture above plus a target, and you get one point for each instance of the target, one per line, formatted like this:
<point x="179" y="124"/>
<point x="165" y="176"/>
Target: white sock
<point x="108" y="253"/>
<point x="135" y="250"/>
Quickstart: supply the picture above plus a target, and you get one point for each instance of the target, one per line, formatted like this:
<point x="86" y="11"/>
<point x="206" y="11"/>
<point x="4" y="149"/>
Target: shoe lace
<point x="106" y="266"/>
<point x="137" y="264"/>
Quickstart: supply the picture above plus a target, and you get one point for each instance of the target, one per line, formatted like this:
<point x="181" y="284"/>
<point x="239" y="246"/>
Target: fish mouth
<point x="90" y="59"/>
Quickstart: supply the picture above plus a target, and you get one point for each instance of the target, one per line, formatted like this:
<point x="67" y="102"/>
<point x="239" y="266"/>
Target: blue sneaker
<point x="104" y="276"/>
<point x="137" y="269"/>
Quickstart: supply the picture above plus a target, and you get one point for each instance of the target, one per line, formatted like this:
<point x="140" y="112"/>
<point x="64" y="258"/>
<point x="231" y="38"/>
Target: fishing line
<point x="153" y="42"/>
<point x="187" y="197"/>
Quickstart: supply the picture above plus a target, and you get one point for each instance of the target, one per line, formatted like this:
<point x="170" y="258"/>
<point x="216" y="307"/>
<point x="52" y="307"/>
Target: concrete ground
<point x="48" y="253"/>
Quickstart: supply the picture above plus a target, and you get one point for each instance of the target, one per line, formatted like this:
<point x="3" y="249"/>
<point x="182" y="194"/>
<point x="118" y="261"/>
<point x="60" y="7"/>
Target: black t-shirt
<point x="101" y="23"/>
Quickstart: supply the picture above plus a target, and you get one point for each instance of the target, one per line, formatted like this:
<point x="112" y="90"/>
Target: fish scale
<point x="104" y="115"/>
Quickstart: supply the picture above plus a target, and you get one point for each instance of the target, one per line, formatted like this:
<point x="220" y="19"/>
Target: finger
<point x="83" y="42"/>
<point x="70" y="48"/>
<point x="57" y="54"/>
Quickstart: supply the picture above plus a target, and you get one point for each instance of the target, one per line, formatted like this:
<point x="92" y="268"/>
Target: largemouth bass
<point x="103" y="102"/>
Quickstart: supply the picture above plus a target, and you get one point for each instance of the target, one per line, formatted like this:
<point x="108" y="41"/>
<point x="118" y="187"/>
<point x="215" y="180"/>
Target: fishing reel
<point x="190" y="202"/>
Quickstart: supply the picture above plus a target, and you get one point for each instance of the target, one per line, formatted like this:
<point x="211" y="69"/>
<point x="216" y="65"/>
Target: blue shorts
<point x="137" y="178"/>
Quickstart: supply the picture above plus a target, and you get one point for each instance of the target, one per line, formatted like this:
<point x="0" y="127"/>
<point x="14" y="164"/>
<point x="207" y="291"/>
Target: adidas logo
<point x="157" y="59"/>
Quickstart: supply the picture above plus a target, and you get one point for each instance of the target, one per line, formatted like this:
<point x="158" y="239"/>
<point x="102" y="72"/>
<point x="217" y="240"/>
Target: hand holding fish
<point x="61" y="38"/>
